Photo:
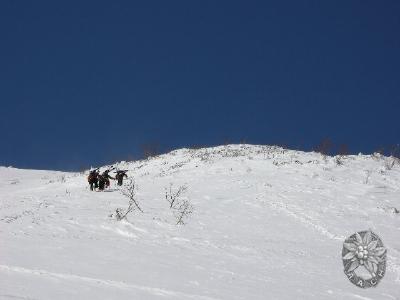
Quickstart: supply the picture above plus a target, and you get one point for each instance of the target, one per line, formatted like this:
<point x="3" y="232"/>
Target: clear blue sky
<point x="87" y="82"/>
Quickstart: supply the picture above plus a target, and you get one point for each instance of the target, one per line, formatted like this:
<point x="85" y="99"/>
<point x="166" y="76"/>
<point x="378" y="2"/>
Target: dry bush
<point x="61" y="178"/>
<point x="343" y="149"/>
<point x="181" y="206"/>
<point x="182" y="212"/>
<point x="150" y="150"/>
<point x="389" y="163"/>
<point x="324" y="147"/>
<point x="395" y="151"/>
<point x="339" y="160"/>
<point x="172" y="196"/>
<point x="128" y="191"/>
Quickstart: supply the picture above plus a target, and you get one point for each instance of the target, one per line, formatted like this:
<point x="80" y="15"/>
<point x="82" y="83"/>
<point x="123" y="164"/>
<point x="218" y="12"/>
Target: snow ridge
<point x="267" y="222"/>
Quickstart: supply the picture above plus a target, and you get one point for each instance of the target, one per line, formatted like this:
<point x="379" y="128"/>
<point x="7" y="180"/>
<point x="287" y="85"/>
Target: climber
<point x="93" y="179"/>
<point x="120" y="176"/>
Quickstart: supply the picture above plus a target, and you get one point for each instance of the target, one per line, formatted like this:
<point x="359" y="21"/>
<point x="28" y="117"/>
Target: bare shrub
<point x="343" y="149"/>
<point x="395" y="151"/>
<point x="198" y="146"/>
<point x="324" y="147"/>
<point x="227" y="141"/>
<point x="182" y="212"/>
<point x="61" y="178"/>
<point x="172" y="196"/>
<point x="339" y="160"/>
<point x="128" y="191"/>
<point x="389" y="163"/>
<point x="130" y="157"/>
<point x="150" y="150"/>
<point x="342" y="152"/>
<point x="204" y="155"/>
<point x="182" y="208"/>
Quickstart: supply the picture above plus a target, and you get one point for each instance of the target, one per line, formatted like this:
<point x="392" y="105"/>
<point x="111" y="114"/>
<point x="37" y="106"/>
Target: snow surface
<point x="268" y="223"/>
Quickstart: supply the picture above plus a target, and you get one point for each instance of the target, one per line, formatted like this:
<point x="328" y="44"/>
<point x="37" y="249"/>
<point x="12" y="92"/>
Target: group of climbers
<point x="102" y="181"/>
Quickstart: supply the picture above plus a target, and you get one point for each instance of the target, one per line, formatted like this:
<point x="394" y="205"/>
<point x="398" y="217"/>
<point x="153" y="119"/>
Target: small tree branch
<point x="130" y="193"/>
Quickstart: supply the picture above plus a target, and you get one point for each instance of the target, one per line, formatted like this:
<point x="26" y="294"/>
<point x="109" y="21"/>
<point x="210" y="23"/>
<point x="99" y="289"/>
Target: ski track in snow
<point x="296" y="213"/>
<point x="8" y="296"/>
<point x="108" y="283"/>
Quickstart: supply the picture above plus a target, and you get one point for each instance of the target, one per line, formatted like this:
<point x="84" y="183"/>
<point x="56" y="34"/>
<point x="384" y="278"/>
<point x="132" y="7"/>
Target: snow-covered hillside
<point x="268" y="223"/>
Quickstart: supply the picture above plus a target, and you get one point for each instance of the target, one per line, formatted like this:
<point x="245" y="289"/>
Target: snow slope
<point x="268" y="223"/>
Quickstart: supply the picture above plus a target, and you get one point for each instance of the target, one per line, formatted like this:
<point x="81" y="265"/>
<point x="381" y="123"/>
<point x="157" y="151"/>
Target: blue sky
<point x="88" y="82"/>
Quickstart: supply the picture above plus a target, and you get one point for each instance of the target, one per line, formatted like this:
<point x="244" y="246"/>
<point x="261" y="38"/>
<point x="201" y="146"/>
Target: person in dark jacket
<point x="120" y="176"/>
<point x="102" y="182"/>
<point x="93" y="179"/>
<point x="106" y="176"/>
